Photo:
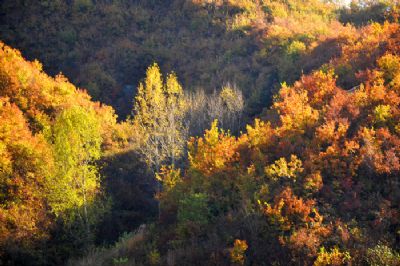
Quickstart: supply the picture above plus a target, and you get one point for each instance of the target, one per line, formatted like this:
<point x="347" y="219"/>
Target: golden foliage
<point x="238" y="250"/>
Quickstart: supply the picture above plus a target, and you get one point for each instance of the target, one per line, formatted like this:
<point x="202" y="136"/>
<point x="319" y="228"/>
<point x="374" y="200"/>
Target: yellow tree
<point x="176" y="130"/>
<point x="159" y="111"/>
<point x="77" y="141"/>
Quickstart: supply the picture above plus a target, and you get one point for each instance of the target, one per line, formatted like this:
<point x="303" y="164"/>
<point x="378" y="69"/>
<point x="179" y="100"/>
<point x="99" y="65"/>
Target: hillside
<point x="194" y="132"/>
<point x="317" y="184"/>
<point x="51" y="139"/>
<point x="106" y="46"/>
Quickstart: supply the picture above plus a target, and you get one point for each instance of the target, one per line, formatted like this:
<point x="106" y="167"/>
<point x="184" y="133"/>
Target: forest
<point x="199" y="132"/>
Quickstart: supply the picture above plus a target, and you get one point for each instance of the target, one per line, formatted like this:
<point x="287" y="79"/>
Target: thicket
<point x="314" y="180"/>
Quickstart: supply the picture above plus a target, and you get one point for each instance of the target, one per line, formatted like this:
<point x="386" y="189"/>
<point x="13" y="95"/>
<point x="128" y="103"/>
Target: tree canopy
<point x="275" y="142"/>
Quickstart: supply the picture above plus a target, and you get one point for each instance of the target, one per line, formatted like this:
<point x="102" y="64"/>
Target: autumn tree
<point x="25" y="164"/>
<point x="74" y="188"/>
<point x="158" y="114"/>
<point x="159" y="111"/>
<point x="213" y="152"/>
<point x="51" y="134"/>
<point x="226" y="105"/>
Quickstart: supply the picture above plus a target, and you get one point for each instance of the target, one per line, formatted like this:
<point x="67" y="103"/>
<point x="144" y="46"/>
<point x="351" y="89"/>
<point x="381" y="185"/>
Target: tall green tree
<point x="77" y="143"/>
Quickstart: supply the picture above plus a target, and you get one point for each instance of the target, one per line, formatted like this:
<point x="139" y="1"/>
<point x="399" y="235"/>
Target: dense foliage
<point x="106" y="46"/>
<point x="317" y="184"/>
<point x="313" y="180"/>
<point x="51" y="138"/>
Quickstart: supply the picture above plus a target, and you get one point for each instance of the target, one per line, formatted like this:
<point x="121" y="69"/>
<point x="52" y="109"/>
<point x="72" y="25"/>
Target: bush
<point x="382" y="255"/>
